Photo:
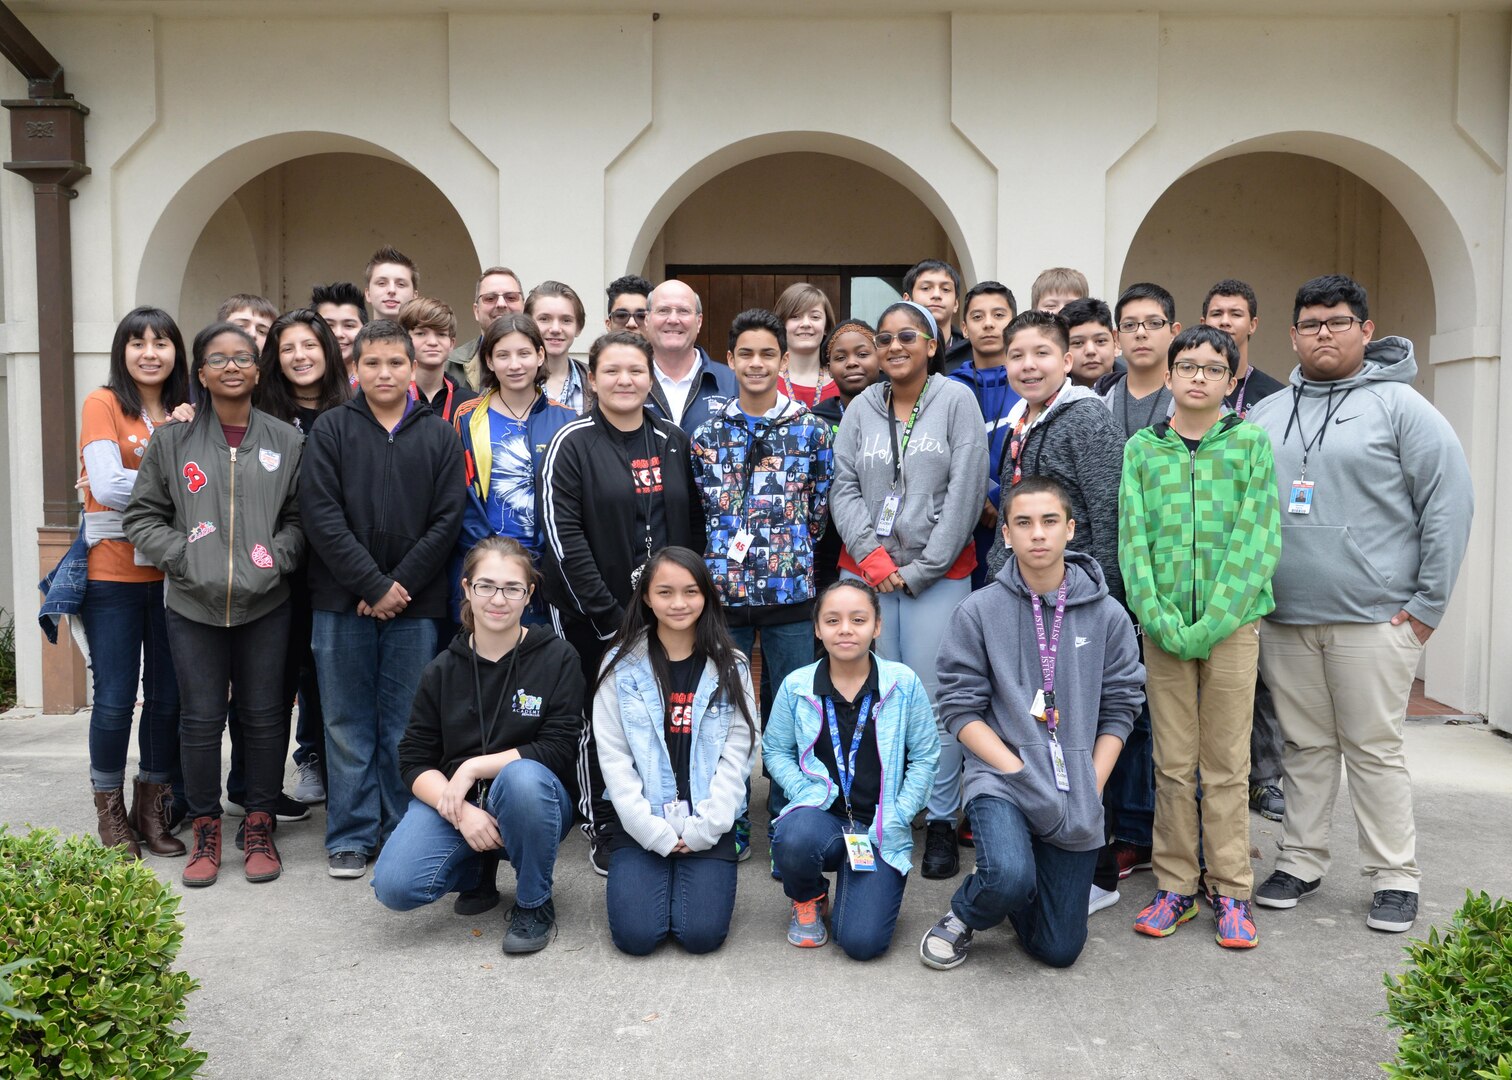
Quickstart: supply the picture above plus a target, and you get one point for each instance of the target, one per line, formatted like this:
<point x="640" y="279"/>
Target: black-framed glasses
<point x="489" y="299"/>
<point x="485" y="589"/>
<point x="1210" y="372"/>
<point x="624" y="317"/>
<point x="1130" y="326"/>
<point x="220" y="360"/>
<point x="902" y="337"/>
<point x="1336" y="324"/>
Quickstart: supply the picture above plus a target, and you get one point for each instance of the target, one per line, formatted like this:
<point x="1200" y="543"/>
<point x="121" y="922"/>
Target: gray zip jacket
<point x="944" y="483"/>
<point x="1392" y="501"/>
<point x="989" y="670"/>
<point x="222" y="524"/>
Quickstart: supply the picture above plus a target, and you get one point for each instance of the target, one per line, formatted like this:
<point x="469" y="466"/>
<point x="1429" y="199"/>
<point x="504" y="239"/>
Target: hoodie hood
<point x="1391" y="359"/>
<point x="536" y="638"/>
<point x="1068" y="393"/>
<point x="1085" y="583"/>
<point x="785" y="409"/>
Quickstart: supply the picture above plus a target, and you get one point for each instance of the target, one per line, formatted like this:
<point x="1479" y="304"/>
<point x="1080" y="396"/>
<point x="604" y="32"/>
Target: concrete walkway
<point x="310" y="977"/>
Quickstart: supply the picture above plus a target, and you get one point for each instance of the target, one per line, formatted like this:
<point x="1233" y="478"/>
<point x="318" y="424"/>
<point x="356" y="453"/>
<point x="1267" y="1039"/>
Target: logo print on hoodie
<point x="528" y="705"/>
<point x="261" y="558"/>
<point x="195" y="477"/>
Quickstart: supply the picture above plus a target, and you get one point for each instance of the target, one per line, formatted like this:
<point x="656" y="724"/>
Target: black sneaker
<point x="530" y="929"/>
<point x="1282" y="890"/>
<point x="1393" y="911"/>
<point x="942" y="859"/>
<point x="1268" y="800"/>
<point x="485" y="896"/>
<point x="287" y="809"/>
<point x="598" y="854"/>
<point x="349" y="864"/>
<point x="945" y="943"/>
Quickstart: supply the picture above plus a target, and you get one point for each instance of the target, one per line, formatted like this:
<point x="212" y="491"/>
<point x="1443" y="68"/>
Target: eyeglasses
<point x="670" y="312"/>
<point x="1130" y="326"/>
<point x="241" y="360"/>
<point x="902" y="337"/>
<point x="489" y="299"/>
<point x="1210" y="372"/>
<point x="1336" y="324"/>
<point x="485" y="589"/>
<point x="621" y="317"/>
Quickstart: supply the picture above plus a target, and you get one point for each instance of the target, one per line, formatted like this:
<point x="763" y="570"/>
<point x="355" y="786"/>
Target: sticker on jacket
<point x="195" y="477"/>
<point x="269" y="459"/>
<point x="260" y="557"/>
<point x="200" y="531"/>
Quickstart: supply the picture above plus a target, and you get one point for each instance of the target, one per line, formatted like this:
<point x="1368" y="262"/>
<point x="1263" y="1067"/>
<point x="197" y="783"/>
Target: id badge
<point x="1301" y="497"/>
<point x="1037" y="707"/>
<point x="740" y="543"/>
<point x="1058" y="763"/>
<point x="676" y="814"/>
<point x="889" y="515"/>
<point x="858" y="850"/>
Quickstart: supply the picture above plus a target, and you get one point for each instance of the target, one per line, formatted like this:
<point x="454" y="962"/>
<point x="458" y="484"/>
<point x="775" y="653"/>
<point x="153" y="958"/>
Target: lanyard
<point x="899" y="449"/>
<point x="1020" y="436"/>
<point x="446" y="409"/>
<point x="1317" y="436"/>
<point x="148" y="421"/>
<point x="650" y="486"/>
<point x="1047" y="650"/>
<point x="786" y="383"/>
<point x="846" y="766"/>
<point x="493" y="725"/>
<point x="1243" y="388"/>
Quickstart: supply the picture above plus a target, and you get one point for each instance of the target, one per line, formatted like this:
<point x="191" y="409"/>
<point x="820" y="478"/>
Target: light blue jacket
<point x="629" y="727"/>
<point x="907" y="742"/>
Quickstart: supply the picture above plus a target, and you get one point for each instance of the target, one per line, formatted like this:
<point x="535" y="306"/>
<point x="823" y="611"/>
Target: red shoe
<point x="262" y="862"/>
<point x="1130" y="857"/>
<point x="204" y="859"/>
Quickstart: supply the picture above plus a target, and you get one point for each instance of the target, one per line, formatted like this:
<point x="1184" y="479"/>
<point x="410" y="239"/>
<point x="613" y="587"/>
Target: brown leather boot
<point x="204" y="860"/>
<point x="115" y="831"/>
<point x="262" y="861"/>
<point x="150" y="806"/>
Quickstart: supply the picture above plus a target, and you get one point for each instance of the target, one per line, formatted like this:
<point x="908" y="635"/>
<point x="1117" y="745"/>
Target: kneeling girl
<point x="490" y="756"/>
<point x="673" y="723"/>
<point x="853" y="743"/>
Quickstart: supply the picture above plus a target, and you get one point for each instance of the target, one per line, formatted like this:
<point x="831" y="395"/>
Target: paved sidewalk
<point x="310" y="977"/>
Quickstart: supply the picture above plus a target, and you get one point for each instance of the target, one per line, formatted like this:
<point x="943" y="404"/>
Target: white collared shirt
<point x="676" y="391"/>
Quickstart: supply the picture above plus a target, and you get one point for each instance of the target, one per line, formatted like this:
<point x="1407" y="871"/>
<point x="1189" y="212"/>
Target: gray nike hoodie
<point x="1392" y="501"/>
<point x="989" y="670"/>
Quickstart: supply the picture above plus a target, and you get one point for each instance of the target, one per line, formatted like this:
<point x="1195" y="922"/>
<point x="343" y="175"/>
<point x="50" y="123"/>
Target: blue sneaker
<point x="1165" y="913"/>
<point x="742" y="839"/>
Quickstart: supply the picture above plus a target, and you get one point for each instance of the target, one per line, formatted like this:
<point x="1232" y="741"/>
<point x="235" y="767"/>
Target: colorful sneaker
<point x="807" y="928"/>
<point x="1283" y="890"/>
<point x="1166" y="912"/>
<point x="742" y="839"/>
<point x="1101" y="898"/>
<point x="1236" y="929"/>
<point x="945" y="943"/>
<point x="1268" y="800"/>
<point x="1131" y="857"/>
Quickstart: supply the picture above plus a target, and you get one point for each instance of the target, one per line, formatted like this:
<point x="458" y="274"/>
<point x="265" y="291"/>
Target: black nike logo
<point x="1347" y="419"/>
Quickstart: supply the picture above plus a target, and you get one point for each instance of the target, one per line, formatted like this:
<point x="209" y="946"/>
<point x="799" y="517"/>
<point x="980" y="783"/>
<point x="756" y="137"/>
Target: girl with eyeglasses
<point x="489" y="756"/>
<point x="674" y="722"/>
<point x="215" y="507"/>
<point x="910" y="481"/>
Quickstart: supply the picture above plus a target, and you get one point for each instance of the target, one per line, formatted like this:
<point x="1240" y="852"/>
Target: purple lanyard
<point x="1047" y="650"/>
<point x="1244" y="386"/>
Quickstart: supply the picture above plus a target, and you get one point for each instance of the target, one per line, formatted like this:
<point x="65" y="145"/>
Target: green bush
<point x="101" y="932"/>
<point x="1454" y="1004"/>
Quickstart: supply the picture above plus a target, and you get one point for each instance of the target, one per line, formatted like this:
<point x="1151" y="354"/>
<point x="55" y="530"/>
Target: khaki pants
<point x="1200" y="717"/>
<point x="1341" y="690"/>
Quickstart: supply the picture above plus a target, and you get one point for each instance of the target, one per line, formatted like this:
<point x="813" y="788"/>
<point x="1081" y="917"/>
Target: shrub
<point x="101" y="932"/>
<point x="1454" y="1003"/>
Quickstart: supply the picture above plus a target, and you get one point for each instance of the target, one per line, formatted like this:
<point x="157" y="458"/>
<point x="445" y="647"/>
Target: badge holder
<point x="889" y="515"/>
<point x="676" y="814"/>
<point x="858" y="850"/>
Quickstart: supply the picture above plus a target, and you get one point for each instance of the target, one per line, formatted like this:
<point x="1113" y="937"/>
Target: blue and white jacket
<point x="907" y="742"/>
<point x="781" y="498"/>
<point x="629" y="728"/>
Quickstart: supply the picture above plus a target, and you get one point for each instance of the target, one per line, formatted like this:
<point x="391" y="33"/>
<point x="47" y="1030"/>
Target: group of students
<point x="511" y="590"/>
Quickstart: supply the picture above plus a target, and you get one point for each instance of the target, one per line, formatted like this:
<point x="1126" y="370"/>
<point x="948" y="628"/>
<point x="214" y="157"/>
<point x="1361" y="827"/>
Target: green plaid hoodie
<point x="1199" y="533"/>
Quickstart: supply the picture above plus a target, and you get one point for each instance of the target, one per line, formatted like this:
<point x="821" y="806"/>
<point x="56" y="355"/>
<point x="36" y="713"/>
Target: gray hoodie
<point x="944" y="482"/>
<point x="989" y="670"/>
<point x="1392" y="503"/>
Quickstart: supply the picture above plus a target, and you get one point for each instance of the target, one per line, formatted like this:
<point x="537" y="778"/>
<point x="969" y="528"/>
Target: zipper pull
<point x="233" y="455"/>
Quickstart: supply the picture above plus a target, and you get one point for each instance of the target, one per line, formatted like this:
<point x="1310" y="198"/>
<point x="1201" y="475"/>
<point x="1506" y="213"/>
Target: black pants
<point x="299" y="682"/>
<point x="597" y="811"/>
<point x="213" y="662"/>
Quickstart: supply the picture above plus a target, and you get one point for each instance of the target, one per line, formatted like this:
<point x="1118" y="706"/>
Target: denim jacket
<point x="907" y="742"/>
<point x="63" y="591"/>
<point x="629" y="729"/>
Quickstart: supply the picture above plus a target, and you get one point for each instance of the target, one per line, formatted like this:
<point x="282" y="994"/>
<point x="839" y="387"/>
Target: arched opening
<point x="1274" y="220"/>
<point x="318" y="218"/>
<point x="747" y="233"/>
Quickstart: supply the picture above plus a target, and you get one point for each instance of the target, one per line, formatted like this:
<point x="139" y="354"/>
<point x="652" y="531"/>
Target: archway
<point x="1275" y="220"/>
<point x="318" y="218"/>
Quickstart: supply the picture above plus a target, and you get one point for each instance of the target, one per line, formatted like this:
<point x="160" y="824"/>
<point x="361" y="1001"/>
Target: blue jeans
<point x="127" y="630"/>
<point x="785" y="647"/>
<point x="427" y="858"/>
<point x="911" y="629"/>
<point x="369" y="671"/>
<point x="1130" y="792"/>
<point x="650" y="896"/>
<point x="1040" y="888"/>
<point x="811" y="842"/>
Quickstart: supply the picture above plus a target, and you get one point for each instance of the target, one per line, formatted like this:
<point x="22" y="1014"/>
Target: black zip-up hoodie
<point x="380" y="507"/>
<point x="541" y="717"/>
<point x="587" y="505"/>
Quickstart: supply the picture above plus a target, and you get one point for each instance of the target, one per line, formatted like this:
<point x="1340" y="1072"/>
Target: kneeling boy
<point x="1041" y="731"/>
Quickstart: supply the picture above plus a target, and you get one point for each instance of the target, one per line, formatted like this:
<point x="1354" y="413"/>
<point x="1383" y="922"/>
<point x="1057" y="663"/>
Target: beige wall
<point x="1275" y="220"/>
